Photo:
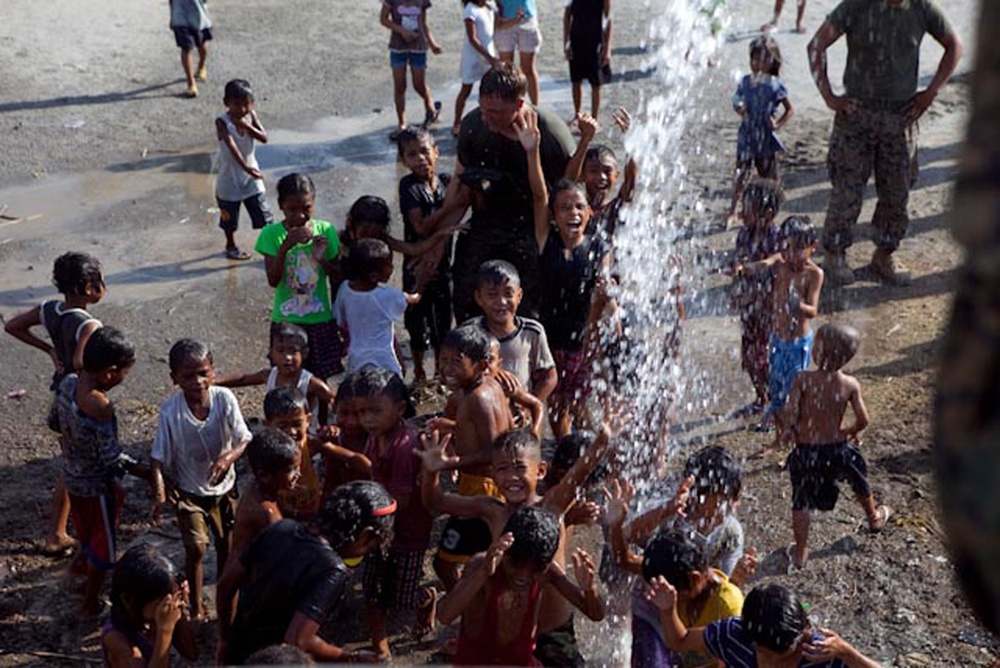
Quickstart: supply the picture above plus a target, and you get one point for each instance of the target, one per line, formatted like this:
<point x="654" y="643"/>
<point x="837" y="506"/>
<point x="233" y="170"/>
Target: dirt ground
<point x="101" y="154"/>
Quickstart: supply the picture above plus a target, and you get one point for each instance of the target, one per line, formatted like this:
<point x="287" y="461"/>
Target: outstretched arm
<point x="583" y="593"/>
<point x="244" y="379"/>
<point x="530" y="138"/>
<point x="588" y="128"/>
<point x="435" y="458"/>
<point x="679" y="637"/>
<point x="559" y="498"/>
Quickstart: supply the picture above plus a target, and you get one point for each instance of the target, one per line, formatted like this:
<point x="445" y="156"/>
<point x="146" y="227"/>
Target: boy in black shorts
<point x="192" y="30"/>
<point x="587" y="40"/>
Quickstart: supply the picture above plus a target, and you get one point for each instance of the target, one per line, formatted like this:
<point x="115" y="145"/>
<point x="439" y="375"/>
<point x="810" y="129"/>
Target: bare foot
<point x="768" y="27"/>
<point x="59" y="545"/>
<point x="882" y="515"/>
<point x="796" y="558"/>
<point x="801" y="29"/>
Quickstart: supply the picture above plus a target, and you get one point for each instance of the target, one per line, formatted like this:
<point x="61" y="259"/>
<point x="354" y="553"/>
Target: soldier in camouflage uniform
<point x="874" y="119"/>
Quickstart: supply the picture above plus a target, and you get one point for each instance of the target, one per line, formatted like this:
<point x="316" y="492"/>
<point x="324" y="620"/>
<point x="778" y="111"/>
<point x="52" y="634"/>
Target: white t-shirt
<point x="368" y="318"/>
<point x="187" y="447"/>
<point x="483" y="18"/>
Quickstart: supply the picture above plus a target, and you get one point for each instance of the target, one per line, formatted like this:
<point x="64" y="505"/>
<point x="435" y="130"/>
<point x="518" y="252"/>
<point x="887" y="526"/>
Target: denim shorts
<point x="417" y="60"/>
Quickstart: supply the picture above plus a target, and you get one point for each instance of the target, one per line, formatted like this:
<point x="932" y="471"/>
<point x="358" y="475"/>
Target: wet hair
<point x="798" y="230"/>
<point x="716" y="472"/>
<point x="73" y="273"/>
<point x="369" y="210"/>
<point x="271" y="451"/>
<point x="536" y="536"/>
<point x="599" y="152"/>
<point x="773" y="617"/>
<point x="497" y="272"/>
<point x="840" y="345"/>
<point x="469" y="341"/>
<point x="294" y="184"/>
<point x="765" y="193"/>
<point x="564" y="185"/>
<point x="673" y="555"/>
<point x="505" y="81"/>
<point x="766" y="48"/>
<point x="373" y="381"/>
<point x="367" y="257"/>
<point x="142" y="575"/>
<point x="569" y="449"/>
<point x="280" y="655"/>
<point x="237" y="89"/>
<point x="107" y="347"/>
<point x="351" y="509"/>
<point x="284" y="401"/>
<point x="348" y="388"/>
<point x="293" y="333"/>
<point x="515" y="441"/>
<point x="187" y="350"/>
<point x="413" y="134"/>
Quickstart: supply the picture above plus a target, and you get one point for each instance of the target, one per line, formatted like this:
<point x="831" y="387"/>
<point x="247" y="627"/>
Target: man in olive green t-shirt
<point x="875" y="119"/>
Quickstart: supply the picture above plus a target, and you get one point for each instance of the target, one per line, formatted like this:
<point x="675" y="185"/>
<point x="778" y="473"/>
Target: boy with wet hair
<point x="524" y="346"/>
<point x="201" y="434"/>
<point x="825" y="451"/>
<point x="501" y="594"/>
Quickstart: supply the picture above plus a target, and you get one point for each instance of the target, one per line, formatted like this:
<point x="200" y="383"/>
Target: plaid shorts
<point x="392" y="579"/>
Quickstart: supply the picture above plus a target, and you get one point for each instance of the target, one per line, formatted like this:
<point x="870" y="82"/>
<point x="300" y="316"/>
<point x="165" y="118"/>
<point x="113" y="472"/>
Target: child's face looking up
<point x="381" y="415"/>
<point x="420" y="157"/>
<point x="600" y="176"/>
<point x="295" y="424"/>
<point x="572" y="212"/>
<point x="298" y="209"/>
<point x="287" y="356"/>
<point x="194" y="377"/>
<point x="239" y="107"/>
<point x="757" y="210"/>
<point x="499" y="302"/>
<point x="517" y="474"/>
<point x="519" y="575"/>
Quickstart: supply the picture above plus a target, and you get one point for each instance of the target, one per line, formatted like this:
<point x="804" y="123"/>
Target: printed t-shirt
<point x="726" y="641"/>
<point x="397" y="469"/>
<point x="524" y="351"/>
<point x="187" y="447"/>
<point x="303" y="295"/>
<point x="368" y="317"/>
<point x="406" y="13"/>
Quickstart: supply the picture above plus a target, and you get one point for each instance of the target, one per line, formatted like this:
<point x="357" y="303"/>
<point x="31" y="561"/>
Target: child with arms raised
<point x="78" y="277"/>
<point x="201" y="434"/>
<point x="825" y="451"/>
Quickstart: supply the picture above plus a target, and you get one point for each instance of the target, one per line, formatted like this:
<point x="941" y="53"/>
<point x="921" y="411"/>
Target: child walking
<point x="78" y="277"/>
<point x="240" y="180"/>
<point x="408" y="44"/>
<point x="756" y="100"/>
<point x="480" y="18"/>
<point x="826" y="452"/>
<point x="587" y="45"/>
<point x="200" y="436"/>
<point x="192" y="30"/>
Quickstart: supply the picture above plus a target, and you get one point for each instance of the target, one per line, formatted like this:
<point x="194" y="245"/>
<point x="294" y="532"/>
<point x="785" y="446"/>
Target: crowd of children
<point x="346" y="472"/>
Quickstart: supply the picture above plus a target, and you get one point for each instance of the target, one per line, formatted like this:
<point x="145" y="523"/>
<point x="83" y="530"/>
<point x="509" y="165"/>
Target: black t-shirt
<point x="587" y="29"/>
<point x="497" y="167"/>
<point x="289" y="570"/>
<point x="413" y="194"/>
<point x="567" y="288"/>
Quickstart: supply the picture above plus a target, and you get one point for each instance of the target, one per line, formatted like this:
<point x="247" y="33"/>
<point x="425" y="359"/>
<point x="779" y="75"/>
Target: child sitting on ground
<point x="773" y="629"/>
<point x="149" y="612"/>
<point x="201" y="434"/>
<point x="524" y="347"/>
<point x="366" y="307"/>
<point x="78" y="277"/>
<point x="94" y="457"/>
<point x="240" y="181"/>
<point x="825" y="451"/>
<point x="393" y="579"/>
<point x="500" y="594"/>
<point x="289" y="347"/>
<point x="275" y="460"/>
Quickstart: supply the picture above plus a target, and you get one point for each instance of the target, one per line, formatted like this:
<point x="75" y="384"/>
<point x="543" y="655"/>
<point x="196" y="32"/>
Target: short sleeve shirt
<point x="727" y="642"/>
<point x="414" y="193"/>
<point x="368" y="317"/>
<point x="289" y="570"/>
<point x="397" y="469"/>
<point x="303" y="295"/>
<point x="64" y="326"/>
<point x="523" y="352"/>
<point x="883" y="45"/>
<point x="510" y="8"/>
<point x="406" y="13"/>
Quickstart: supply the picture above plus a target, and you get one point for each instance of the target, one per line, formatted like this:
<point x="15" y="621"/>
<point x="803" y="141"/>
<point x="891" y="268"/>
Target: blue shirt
<point x="725" y="640"/>
<point x="510" y="8"/>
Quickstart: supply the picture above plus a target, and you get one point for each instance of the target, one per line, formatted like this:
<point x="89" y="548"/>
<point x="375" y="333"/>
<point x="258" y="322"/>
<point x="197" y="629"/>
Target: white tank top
<point x="233" y="184"/>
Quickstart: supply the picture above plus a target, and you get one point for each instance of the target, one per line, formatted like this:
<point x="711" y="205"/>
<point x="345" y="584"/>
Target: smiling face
<point x="516" y="474"/>
<point x="458" y="371"/>
<point x="195" y="377"/>
<point x="294" y="423"/>
<point x="297" y="208"/>
<point x="499" y="303"/>
<point x="600" y="176"/>
<point x="420" y="157"/>
<point x="520" y="575"/>
<point x="572" y="213"/>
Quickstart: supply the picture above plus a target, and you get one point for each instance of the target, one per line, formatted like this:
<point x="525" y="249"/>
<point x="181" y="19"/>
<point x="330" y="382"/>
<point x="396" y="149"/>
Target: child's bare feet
<point x="796" y="557"/>
<point x="59" y="545"/>
<point x="877" y="521"/>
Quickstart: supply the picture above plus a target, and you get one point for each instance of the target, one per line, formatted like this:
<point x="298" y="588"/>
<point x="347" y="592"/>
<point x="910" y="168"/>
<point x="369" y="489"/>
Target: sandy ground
<point x="101" y="153"/>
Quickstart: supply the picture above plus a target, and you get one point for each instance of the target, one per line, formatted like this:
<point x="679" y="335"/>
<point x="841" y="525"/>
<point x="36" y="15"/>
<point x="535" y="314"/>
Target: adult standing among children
<point x="524" y="36"/>
<point x="875" y="124"/>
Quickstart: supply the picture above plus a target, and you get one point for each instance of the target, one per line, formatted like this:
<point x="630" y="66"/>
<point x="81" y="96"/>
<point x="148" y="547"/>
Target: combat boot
<point x="888" y="270"/>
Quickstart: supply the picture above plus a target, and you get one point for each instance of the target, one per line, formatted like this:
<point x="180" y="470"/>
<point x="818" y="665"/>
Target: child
<point x="78" y="277"/>
<point x="149" y="612"/>
<point x="521" y="401"/>
<point x="421" y="193"/>
<point x="825" y="452"/>
<point x="285" y="408"/>
<point x="501" y="593"/>
<point x="348" y="434"/>
<point x="773" y="630"/>
<point x="289" y="347"/>
<point x="200" y="436"/>
<point x="800" y="12"/>
<point x="392" y="580"/>
<point x="478" y="51"/>
<point x="366" y="307"/>
<point x="570" y="263"/>
<point x="275" y="460"/>
<point x="299" y="256"/>
<point x="519" y="30"/>
<point x="240" y="180"/>
<point x="192" y="29"/>
<point x="524" y="348"/>
<point x="480" y="415"/>
<point x="94" y="457"/>
<point x="587" y="45"/>
<point x="408" y="44"/>
<point x="597" y="167"/>
<point x="753" y="295"/>
<point x="756" y="100"/>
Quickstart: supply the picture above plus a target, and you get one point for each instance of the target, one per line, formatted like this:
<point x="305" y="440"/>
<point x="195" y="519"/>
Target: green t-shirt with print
<point x="303" y="295"/>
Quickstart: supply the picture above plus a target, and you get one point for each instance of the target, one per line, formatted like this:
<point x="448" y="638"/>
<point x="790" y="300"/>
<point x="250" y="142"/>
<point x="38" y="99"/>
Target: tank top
<point x="64" y="326"/>
<point x="233" y="184"/>
<point x="485" y="651"/>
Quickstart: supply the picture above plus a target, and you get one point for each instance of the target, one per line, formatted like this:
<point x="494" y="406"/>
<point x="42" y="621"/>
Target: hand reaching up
<point x="584" y="570"/>
<point x="619" y="496"/>
<point x="434" y="455"/>
<point x="496" y="552"/>
<point x="661" y="594"/>
<point x="526" y="125"/>
<point x="622" y="119"/>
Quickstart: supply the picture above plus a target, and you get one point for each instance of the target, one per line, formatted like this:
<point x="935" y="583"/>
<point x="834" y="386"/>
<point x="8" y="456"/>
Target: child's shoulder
<point x="529" y="327"/>
<point x="95" y="405"/>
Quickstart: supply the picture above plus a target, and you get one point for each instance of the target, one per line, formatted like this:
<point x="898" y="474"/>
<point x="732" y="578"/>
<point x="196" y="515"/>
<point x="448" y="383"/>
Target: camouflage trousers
<point x="863" y="141"/>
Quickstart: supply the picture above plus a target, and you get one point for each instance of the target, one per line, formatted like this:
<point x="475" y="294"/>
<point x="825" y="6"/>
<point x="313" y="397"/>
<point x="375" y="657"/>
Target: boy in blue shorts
<point x="192" y="30"/>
